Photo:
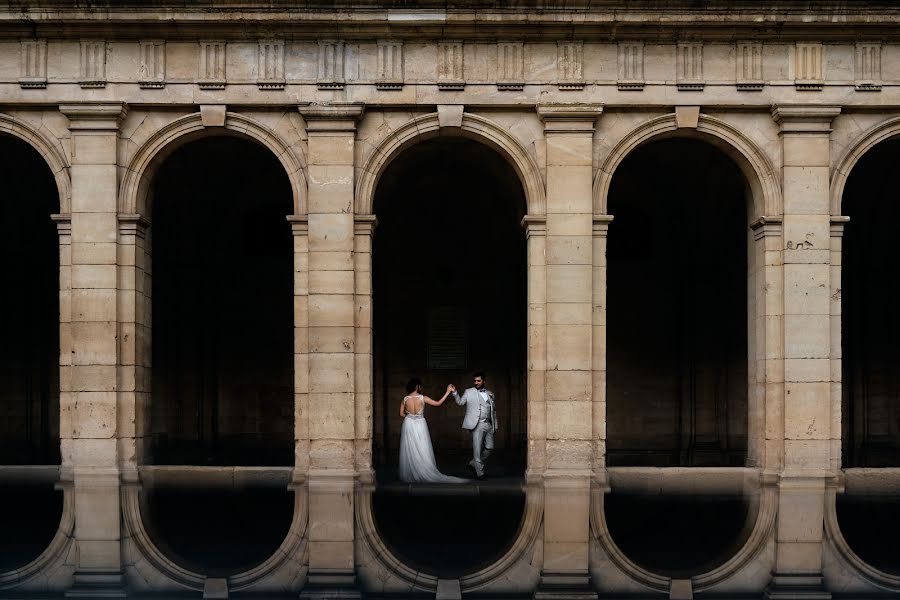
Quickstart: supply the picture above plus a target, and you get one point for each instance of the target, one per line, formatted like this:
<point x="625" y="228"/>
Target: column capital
<point x="601" y="225"/>
<point x="365" y="224"/>
<point x="299" y="224"/>
<point x="332" y="117"/>
<point x="767" y="227"/>
<point x="133" y="224"/>
<point x="837" y="225"/>
<point x="63" y="224"/>
<point x="94" y="116"/>
<point x="803" y="118"/>
<point x="534" y="225"/>
<point x="569" y="118"/>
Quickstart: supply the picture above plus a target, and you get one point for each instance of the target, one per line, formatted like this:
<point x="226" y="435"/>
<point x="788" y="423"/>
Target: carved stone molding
<point x="153" y="64"/>
<point x="809" y="74"/>
<point x="93" y="64"/>
<point x="104" y="116"/>
<point x="510" y="66"/>
<point x="769" y="226"/>
<point x="570" y="65"/>
<point x="749" y="66"/>
<point x="631" y="66"/>
<point x="451" y="66"/>
<point x="689" y="61"/>
<point x="212" y="65"/>
<point x="331" y="65"/>
<point x="800" y="118"/>
<point x="33" y="72"/>
<point x="868" y="66"/>
<point x="390" y="65"/>
<point x="271" y="65"/>
<point x="332" y="117"/>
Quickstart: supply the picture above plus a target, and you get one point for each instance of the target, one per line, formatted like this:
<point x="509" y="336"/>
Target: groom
<point x="481" y="420"/>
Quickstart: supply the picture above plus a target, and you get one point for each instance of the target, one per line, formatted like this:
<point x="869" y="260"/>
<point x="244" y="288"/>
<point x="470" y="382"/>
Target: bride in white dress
<point x="417" y="464"/>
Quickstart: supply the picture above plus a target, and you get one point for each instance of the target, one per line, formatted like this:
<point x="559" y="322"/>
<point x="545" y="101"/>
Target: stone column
<point x="300" y="230"/>
<point x="134" y="286"/>
<point x="568" y="387"/>
<point x="808" y="431"/>
<point x="598" y="316"/>
<point x="90" y="417"/>
<point x="536" y="241"/>
<point x="364" y="227"/>
<point x="66" y="393"/>
<point x="332" y="380"/>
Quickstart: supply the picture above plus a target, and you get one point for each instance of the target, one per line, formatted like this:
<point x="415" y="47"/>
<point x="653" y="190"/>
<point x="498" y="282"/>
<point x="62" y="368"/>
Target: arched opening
<point x="222" y="307"/>
<point x="677" y="308"/>
<point x="449" y="279"/>
<point x="222" y="354"/>
<point x="870" y="324"/>
<point x="29" y="353"/>
<point x="677" y="350"/>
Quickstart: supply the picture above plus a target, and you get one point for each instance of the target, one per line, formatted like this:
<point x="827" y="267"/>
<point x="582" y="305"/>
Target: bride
<point x="417" y="464"/>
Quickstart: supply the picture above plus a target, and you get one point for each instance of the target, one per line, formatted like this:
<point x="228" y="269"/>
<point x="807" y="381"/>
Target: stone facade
<point x="793" y="94"/>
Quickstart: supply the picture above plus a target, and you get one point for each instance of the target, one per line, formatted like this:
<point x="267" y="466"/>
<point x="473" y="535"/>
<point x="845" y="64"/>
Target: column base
<point x="98" y="584"/>
<point x="564" y="586"/>
<point x="337" y="585"/>
<point x="796" y="587"/>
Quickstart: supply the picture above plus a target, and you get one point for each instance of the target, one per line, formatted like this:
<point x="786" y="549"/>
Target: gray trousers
<point x="482" y="444"/>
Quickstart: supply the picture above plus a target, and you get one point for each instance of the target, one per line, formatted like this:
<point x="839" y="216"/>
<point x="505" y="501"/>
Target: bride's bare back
<point x="414" y="404"/>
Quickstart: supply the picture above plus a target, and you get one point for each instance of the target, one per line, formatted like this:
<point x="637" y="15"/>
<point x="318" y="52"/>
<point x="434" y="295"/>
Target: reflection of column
<point x="364" y="227"/>
<point x="598" y="311"/>
<point x="536" y="236"/>
<point x="332" y="404"/>
<point x="300" y="230"/>
<point x="90" y="417"/>
<point x="808" y="431"/>
<point x="569" y="369"/>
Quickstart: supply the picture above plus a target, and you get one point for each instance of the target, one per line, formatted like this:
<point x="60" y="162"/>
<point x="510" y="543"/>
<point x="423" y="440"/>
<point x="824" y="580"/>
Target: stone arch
<point x="49" y="151"/>
<point x="135" y="186"/>
<point x="474" y="127"/>
<point x="751" y="160"/>
<point x="866" y="141"/>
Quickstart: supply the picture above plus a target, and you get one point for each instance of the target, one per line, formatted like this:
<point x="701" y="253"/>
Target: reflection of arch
<point x="525" y="539"/>
<point x="865" y="142"/>
<point x="835" y="537"/>
<point x="49" y="151"/>
<point x="291" y="549"/>
<point x="767" y="508"/>
<point x="752" y="161"/>
<point x="135" y="186"/>
<point x="58" y="545"/>
<point x="474" y="127"/>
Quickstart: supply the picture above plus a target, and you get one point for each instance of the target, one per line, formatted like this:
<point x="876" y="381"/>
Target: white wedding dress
<point x="417" y="464"/>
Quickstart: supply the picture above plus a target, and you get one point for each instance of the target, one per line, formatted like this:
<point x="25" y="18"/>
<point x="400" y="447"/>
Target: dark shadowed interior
<point x="677" y="308"/>
<point x="870" y="319"/>
<point x="222" y="307"/>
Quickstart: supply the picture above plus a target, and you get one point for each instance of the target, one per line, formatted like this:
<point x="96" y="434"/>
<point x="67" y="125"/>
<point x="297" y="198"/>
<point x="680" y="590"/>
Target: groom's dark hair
<point x="479" y="374"/>
<point x="412" y="384"/>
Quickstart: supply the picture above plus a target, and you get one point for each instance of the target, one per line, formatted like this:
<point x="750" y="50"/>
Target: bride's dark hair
<point x="412" y="384"/>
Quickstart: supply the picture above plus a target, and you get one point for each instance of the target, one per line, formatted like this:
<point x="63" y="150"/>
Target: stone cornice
<point x="94" y="116"/>
<point x="569" y="118"/>
<point x="805" y="118"/>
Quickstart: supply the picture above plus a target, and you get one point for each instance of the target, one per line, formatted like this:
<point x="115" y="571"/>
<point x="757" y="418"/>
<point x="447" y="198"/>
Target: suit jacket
<point x="471" y="399"/>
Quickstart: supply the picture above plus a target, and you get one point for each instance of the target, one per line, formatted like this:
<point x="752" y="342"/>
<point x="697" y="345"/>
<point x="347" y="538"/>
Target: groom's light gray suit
<point x="481" y="420"/>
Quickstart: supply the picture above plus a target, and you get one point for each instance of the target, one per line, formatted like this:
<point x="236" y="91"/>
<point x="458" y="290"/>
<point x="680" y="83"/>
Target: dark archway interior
<point x="676" y="535"/>
<point x="870" y="319"/>
<point x="217" y="531"/>
<point x="449" y="289"/>
<point x="870" y="526"/>
<point x="222" y="307"/>
<point x="677" y="308"/>
<point x="29" y="329"/>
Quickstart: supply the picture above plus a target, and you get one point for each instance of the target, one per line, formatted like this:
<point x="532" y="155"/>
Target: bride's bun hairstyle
<point x="412" y="384"/>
